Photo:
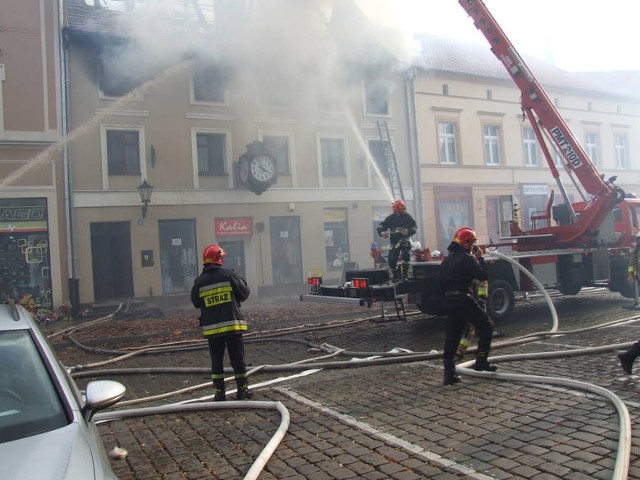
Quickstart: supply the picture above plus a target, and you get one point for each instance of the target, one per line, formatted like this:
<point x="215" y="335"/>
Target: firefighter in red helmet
<point x="218" y="292"/>
<point x="459" y="269"/>
<point x="398" y="227"/>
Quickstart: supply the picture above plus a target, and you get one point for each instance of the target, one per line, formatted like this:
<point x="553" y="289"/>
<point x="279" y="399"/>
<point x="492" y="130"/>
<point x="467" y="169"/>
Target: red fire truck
<point x="588" y="245"/>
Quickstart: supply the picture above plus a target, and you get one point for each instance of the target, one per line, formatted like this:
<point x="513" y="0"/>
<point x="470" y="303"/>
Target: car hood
<point x="60" y="454"/>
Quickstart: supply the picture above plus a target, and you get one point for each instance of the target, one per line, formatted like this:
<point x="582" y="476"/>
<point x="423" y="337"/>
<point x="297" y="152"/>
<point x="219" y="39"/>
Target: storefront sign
<point x="233" y="226"/>
<point x="533" y="189"/>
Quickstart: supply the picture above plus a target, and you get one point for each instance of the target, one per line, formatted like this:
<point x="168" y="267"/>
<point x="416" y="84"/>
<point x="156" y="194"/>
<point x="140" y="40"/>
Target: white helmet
<point x="436" y="254"/>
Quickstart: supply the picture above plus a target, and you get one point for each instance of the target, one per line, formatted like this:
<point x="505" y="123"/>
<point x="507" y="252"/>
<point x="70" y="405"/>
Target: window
<point x="376" y="148"/>
<point x="592" y="139"/>
<point x="209" y="85"/>
<point x="211" y="153"/>
<point x="336" y="238"/>
<point x="278" y="146"/>
<point x="115" y="83"/>
<point x="492" y="144"/>
<point x="123" y="152"/>
<point x="447" y="139"/>
<point x="621" y="150"/>
<point x="332" y="157"/>
<point x="530" y="144"/>
<point x="376" y="99"/>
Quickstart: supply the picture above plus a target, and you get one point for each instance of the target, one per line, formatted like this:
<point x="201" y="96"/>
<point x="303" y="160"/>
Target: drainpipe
<point x="73" y="281"/>
<point x="414" y="154"/>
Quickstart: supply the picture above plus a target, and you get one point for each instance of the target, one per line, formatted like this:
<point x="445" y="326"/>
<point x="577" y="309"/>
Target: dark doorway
<point x="111" y="261"/>
<point x="178" y="255"/>
<point x="234" y="258"/>
<point x="286" y="259"/>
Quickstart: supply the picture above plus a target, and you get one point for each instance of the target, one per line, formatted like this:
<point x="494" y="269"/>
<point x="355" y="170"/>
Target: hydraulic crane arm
<point x="544" y="116"/>
<point x="535" y="99"/>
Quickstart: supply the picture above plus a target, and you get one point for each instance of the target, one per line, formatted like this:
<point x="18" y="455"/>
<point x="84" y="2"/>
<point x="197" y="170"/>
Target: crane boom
<point x="542" y="113"/>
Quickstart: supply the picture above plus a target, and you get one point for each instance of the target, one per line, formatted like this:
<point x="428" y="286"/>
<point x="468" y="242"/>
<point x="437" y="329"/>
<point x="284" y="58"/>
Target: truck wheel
<point x="501" y="300"/>
<point x="430" y="306"/>
<point x="628" y="290"/>
<point x="569" y="288"/>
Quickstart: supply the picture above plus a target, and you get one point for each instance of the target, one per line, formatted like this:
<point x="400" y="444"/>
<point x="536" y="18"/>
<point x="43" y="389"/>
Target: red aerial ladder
<point x="584" y="218"/>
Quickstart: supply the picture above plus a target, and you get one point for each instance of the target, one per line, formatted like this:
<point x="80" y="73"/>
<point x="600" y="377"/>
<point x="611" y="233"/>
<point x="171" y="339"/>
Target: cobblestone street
<point x="393" y="419"/>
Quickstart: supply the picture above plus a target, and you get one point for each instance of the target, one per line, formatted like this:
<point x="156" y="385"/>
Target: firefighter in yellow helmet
<point x="398" y="228"/>
<point x="218" y="292"/>
<point x="461" y="267"/>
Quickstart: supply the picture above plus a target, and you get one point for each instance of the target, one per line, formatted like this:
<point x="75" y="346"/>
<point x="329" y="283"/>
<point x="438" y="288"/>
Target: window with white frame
<point x="591" y="145"/>
<point x="332" y="156"/>
<point x="123" y="151"/>
<point x="212" y="153"/>
<point x="376" y="98"/>
<point x="491" y="144"/>
<point x="447" y="138"/>
<point x="278" y="146"/>
<point x="209" y="84"/>
<point x="621" y="145"/>
<point x="530" y="145"/>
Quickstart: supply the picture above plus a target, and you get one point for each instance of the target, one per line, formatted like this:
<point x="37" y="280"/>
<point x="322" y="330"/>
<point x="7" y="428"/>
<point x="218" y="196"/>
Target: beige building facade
<point x="32" y="209"/>
<point x="185" y="128"/>
<point x="475" y="146"/>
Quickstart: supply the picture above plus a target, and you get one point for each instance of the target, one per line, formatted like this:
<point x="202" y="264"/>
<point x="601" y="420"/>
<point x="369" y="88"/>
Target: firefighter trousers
<point x="235" y="344"/>
<point x="462" y="309"/>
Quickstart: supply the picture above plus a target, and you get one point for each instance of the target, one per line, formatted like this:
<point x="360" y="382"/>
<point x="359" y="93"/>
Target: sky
<point x="575" y="35"/>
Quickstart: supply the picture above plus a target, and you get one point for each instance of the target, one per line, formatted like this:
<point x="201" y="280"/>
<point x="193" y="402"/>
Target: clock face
<point x="262" y="168"/>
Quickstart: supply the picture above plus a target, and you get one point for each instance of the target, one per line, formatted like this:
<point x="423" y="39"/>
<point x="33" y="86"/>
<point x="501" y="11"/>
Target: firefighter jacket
<point x="633" y="269"/>
<point x="218" y="292"/>
<point x="459" y="269"/>
<point x="396" y="223"/>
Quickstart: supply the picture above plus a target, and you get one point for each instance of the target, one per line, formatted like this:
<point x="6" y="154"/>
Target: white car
<point x="46" y="431"/>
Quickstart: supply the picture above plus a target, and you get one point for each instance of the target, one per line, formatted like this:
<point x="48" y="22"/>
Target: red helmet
<point x="399" y="206"/>
<point x="465" y="237"/>
<point x="213" y="254"/>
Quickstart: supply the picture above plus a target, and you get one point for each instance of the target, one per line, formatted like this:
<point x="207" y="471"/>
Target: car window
<point x="29" y="402"/>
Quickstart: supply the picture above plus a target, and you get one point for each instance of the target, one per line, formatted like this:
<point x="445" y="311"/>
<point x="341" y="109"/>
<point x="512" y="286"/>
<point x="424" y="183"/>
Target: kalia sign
<point x="233" y="226"/>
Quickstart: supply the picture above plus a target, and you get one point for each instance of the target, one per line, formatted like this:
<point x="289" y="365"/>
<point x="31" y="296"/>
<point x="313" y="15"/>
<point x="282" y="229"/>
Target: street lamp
<point x="145" y="189"/>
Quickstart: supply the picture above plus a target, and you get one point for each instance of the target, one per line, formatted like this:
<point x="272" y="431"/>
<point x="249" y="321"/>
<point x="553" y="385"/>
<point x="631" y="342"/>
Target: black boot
<point x="482" y="363"/>
<point x="243" y="392"/>
<point x="219" y="394"/>
<point x="450" y="375"/>
<point x="627" y="358"/>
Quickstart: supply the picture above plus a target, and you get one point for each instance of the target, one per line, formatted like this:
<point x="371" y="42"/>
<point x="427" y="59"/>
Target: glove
<point x="384" y="234"/>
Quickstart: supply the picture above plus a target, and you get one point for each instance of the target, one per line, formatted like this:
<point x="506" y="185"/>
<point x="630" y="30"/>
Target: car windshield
<point x="29" y="402"/>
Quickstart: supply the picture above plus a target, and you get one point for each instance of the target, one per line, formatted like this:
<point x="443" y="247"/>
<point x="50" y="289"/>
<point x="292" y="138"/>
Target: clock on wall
<point x="257" y="168"/>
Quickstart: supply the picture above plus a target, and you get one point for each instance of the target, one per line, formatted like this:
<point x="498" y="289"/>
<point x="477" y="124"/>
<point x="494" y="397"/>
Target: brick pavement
<point x="397" y="421"/>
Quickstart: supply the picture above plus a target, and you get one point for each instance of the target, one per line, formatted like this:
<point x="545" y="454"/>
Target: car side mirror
<point x="101" y="394"/>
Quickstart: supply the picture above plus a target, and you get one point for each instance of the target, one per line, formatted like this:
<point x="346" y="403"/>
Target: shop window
<point x="336" y="238"/>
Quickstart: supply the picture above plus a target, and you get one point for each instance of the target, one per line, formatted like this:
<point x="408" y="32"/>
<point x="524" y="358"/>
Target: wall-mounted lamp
<point x="145" y="189"/>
